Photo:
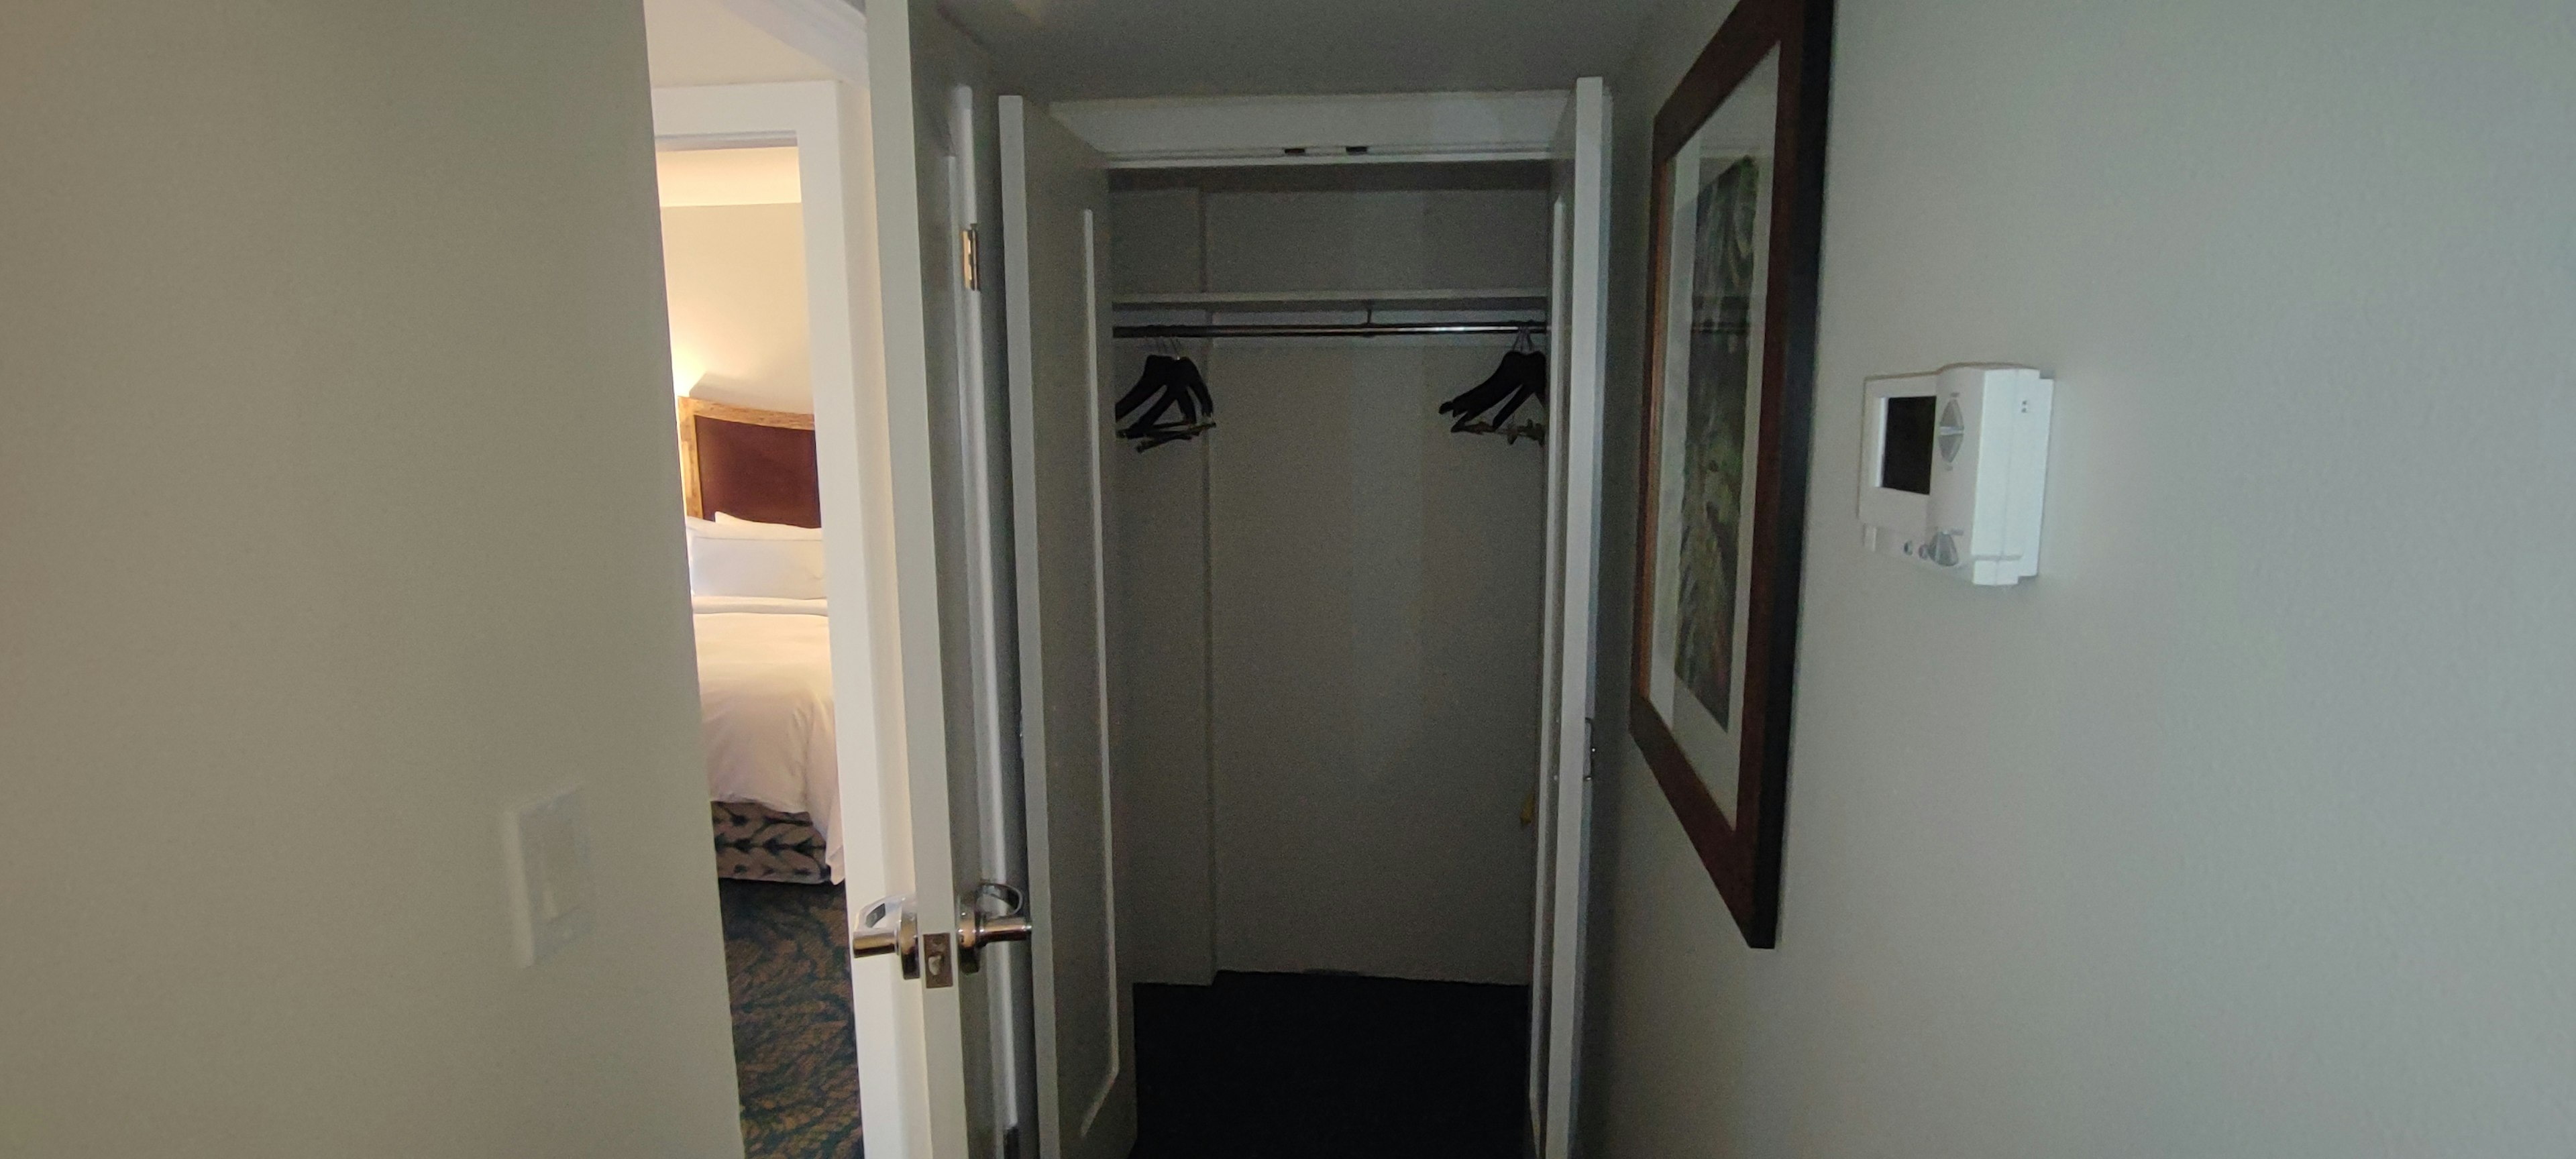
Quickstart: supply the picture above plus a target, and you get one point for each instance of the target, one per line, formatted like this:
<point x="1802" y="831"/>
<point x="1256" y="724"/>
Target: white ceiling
<point x="701" y="42"/>
<point x="1077" y="49"/>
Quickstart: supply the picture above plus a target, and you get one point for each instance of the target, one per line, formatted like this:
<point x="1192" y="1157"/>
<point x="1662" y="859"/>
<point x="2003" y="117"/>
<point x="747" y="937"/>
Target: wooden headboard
<point x="748" y="463"/>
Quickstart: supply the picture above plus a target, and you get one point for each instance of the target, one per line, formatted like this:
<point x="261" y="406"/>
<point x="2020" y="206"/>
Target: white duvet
<point x="765" y="684"/>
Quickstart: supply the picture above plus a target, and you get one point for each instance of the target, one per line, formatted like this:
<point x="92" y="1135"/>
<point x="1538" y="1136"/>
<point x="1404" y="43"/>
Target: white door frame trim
<point x="1586" y="355"/>
<point x="1354" y="129"/>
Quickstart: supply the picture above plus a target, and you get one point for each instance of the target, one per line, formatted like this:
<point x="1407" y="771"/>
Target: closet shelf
<point x="1272" y="301"/>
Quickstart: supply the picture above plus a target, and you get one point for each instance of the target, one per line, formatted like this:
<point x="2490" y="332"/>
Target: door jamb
<point x="1582" y="426"/>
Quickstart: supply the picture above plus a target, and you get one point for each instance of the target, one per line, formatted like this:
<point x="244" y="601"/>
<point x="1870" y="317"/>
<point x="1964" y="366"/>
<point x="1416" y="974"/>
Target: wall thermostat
<point x="1952" y="466"/>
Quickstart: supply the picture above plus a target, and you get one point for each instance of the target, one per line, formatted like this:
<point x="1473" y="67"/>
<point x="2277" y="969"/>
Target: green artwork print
<point x="1712" y="468"/>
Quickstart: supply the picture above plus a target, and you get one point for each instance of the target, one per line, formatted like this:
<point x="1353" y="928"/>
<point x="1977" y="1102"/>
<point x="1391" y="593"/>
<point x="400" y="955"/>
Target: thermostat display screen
<point x="1905" y="457"/>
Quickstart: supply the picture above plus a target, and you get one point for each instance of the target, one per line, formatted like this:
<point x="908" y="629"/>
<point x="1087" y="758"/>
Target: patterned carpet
<point x="787" y="954"/>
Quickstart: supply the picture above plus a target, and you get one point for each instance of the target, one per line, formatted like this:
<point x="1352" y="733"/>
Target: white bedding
<point x="765" y="684"/>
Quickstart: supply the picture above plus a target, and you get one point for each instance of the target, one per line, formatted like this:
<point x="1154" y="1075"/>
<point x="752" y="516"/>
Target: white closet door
<point x="1577" y="311"/>
<point x="1055" y="209"/>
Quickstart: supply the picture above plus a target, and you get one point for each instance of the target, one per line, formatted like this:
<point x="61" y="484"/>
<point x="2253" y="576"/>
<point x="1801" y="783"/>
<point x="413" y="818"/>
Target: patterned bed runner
<point x="758" y="844"/>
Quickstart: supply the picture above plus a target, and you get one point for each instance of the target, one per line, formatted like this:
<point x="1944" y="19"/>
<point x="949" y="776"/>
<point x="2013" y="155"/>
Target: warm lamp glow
<point x="685" y="376"/>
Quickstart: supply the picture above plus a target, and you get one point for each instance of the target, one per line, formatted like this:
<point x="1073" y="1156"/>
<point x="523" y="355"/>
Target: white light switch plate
<point x="547" y="843"/>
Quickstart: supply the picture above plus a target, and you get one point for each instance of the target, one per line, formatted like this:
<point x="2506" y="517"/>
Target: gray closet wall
<point x="1325" y="614"/>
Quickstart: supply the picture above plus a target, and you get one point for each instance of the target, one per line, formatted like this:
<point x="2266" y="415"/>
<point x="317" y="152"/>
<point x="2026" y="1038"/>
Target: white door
<point x="928" y="1081"/>
<point x="1055" y="208"/>
<point x="1577" y="321"/>
<point x="968" y="611"/>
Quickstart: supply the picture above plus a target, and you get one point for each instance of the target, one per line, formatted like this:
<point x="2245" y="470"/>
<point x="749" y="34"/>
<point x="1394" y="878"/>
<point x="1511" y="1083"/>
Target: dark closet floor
<point x="787" y="957"/>
<point x="1327" y="1066"/>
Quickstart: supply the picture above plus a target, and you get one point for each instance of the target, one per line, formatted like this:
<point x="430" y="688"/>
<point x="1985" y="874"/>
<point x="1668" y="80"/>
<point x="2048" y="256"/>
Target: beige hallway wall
<point x="338" y="519"/>
<point x="2243" y="830"/>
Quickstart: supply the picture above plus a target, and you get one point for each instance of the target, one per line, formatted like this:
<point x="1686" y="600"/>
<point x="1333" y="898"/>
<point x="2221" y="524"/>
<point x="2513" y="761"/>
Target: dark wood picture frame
<point x="1743" y="857"/>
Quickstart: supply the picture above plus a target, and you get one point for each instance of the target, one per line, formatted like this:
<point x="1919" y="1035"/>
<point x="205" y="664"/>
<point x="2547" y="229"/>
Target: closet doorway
<point x="1053" y="894"/>
<point x="1350" y="580"/>
<point x="1305" y="497"/>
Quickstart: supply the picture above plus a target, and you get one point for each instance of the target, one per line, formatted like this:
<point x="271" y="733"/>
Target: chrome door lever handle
<point x="992" y="912"/>
<point x="995" y="898"/>
<point x="887" y="927"/>
<point x="1015" y="928"/>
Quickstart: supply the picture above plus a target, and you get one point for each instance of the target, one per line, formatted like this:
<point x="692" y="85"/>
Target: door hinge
<point x="969" y="259"/>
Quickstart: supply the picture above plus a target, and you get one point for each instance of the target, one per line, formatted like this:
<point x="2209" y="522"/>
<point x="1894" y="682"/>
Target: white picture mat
<point x="1742" y="125"/>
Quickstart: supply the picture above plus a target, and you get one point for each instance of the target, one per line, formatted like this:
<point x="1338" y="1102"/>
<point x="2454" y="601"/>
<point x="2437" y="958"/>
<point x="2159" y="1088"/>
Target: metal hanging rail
<point x="1536" y="327"/>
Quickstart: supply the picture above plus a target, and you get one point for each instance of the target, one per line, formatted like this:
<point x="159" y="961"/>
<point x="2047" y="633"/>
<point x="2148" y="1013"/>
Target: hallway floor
<point x="1328" y="1066"/>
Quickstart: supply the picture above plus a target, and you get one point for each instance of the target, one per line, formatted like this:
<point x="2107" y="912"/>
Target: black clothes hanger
<point x="1497" y="386"/>
<point x="1170" y="382"/>
<point x="1488" y="407"/>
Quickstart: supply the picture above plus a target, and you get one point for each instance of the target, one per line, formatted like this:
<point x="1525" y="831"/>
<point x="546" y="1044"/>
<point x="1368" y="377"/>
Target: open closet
<point x="1302" y="493"/>
<point x="1327" y="530"/>
<point x="1326" y="594"/>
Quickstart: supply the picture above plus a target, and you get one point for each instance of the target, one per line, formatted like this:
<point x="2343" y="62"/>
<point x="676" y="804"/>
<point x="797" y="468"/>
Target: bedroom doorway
<point x="741" y="372"/>
<point x="756" y="279"/>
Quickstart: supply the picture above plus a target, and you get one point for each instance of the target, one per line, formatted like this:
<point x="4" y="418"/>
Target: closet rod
<point x="1324" y="330"/>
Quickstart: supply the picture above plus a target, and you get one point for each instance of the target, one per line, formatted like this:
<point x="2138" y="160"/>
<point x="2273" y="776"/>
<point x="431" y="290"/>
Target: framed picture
<point x="1739" y="198"/>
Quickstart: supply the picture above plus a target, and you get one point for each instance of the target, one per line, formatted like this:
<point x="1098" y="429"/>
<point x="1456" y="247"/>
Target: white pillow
<point x="773" y="530"/>
<point x="745" y="559"/>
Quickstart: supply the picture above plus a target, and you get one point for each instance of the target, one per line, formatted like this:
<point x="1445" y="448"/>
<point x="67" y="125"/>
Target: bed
<point x="764" y="667"/>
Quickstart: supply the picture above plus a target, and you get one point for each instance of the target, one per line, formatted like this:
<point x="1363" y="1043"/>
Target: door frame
<point x="874" y="475"/>
<point x="1582" y="350"/>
